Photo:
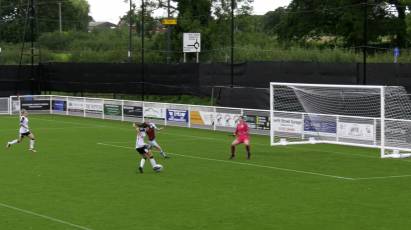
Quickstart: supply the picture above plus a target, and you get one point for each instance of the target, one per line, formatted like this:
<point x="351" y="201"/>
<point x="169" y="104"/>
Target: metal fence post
<point x="143" y="108"/>
<point x="165" y="114"/>
<point x="67" y="106"/>
<point x="51" y="104"/>
<point x="102" y="114"/>
<point x="189" y="116"/>
<point x="84" y="106"/>
<point x="214" y="120"/>
<point x="122" y="110"/>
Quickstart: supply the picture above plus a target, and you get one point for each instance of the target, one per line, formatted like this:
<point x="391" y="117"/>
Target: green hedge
<point x="112" y="46"/>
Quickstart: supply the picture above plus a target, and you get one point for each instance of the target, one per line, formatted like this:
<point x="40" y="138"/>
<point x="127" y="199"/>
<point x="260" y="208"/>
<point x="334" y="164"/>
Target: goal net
<point x="365" y="116"/>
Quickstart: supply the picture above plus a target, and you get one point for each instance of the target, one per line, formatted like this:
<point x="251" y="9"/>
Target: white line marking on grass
<point x="264" y="166"/>
<point x="259" y="144"/>
<point x="68" y="122"/>
<point x="382" y="177"/>
<point x="195" y="137"/>
<point x="240" y="163"/>
<point x="44" y="216"/>
<point x="117" y="142"/>
<point x="267" y="145"/>
<point x="45" y="129"/>
<point x="222" y="140"/>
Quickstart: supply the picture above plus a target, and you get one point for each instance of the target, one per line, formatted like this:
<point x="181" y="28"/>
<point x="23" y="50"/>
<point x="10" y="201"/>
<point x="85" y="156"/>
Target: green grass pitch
<point x="84" y="176"/>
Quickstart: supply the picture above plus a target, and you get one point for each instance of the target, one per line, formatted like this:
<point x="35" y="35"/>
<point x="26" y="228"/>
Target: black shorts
<point x="25" y="134"/>
<point x="143" y="150"/>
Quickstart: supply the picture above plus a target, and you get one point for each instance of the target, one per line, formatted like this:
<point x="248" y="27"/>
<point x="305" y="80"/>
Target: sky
<point x="112" y="10"/>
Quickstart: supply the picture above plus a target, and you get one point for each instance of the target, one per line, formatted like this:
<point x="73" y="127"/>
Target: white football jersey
<point x="152" y="125"/>
<point x="24" y="124"/>
<point x="140" y="139"/>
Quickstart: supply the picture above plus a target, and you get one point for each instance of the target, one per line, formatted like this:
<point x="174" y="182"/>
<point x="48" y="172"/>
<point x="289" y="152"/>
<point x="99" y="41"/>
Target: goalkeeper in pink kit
<point x="242" y="137"/>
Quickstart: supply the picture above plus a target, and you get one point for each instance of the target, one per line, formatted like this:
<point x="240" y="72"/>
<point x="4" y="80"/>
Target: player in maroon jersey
<point x="242" y="137"/>
<point x="151" y="134"/>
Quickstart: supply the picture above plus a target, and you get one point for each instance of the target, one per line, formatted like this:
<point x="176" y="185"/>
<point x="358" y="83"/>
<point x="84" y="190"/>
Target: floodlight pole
<point x="32" y="15"/>
<point x="142" y="51"/>
<point x="168" y="33"/>
<point x="32" y="21"/>
<point x="130" y="30"/>
<point x="60" y="18"/>
<point x="365" y="44"/>
<point x="232" y="43"/>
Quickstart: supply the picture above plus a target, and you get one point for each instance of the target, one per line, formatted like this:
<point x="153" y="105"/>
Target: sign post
<point x="192" y="44"/>
<point x="169" y="21"/>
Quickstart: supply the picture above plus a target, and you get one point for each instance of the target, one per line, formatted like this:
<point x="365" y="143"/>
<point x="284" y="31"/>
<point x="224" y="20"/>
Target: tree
<point x="345" y="19"/>
<point x="309" y="20"/>
<point x="13" y="16"/>
<point x="400" y="20"/>
<point x="150" y="24"/>
<point x="222" y="8"/>
<point x="273" y="19"/>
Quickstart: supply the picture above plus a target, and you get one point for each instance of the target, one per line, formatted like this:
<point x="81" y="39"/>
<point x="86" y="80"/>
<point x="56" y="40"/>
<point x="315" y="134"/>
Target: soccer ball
<point x="158" y="168"/>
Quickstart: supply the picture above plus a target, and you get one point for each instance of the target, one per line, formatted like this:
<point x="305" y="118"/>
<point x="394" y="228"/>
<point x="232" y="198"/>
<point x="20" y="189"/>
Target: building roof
<point x="102" y="25"/>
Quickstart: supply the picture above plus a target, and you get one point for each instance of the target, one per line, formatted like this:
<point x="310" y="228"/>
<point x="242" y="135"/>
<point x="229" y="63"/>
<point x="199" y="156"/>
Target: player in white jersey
<point x="24" y="131"/>
<point x="142" y="148"/>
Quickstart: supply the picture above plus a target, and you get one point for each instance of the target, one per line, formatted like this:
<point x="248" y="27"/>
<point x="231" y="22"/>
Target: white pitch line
<point x="117" y="142"/>
<point x="271" y="167"/>
<point x="382" y="177"/>
<point x="259" y="144"/>
<point x="45" y="129"/>
<point x="217" y="139"/>
<point x="240" y="163"/>
<point x="68" y="122"/>
<point x="44" y="216"/>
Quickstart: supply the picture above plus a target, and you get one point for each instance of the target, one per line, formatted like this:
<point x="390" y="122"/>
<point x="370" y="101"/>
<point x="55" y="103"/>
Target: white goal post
<point x="355" y="115"/>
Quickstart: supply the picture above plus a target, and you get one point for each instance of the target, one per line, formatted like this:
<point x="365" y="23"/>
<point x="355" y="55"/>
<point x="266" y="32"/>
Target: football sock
<point x="13" y="142"/>
<point x="163" y="154"/>
<point x="247" y="147"/>
<point x="153" y="162"/>
<point x="232" y="150"/>
<point x="31" y="144"/>
<point x="142" y="162"/>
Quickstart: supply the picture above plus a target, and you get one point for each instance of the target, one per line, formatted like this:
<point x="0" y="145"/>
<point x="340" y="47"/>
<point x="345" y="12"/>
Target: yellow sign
<point x="169" y="21"/>
<point x="195" y="118"/>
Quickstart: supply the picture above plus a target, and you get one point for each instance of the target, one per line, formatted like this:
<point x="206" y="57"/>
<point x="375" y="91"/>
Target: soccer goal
<point x="4" y="106"/>
<point x="355" y="115"/>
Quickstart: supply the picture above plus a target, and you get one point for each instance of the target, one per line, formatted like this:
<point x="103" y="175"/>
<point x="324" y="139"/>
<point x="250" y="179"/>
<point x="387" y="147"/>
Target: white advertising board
<point x="152" y="112"/>
<point x="208" y="118"/>
<point x="92" y="106"/>
<point x="226" y="119"/>
<point x="75" y="105"/>
<point x="288" y="125"/>
<point x="89" y="106"/>
<point x="356" y="131"/>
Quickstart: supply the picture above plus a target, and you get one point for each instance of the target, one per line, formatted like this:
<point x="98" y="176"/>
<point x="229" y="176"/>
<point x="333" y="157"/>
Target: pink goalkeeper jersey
<point x="242" y="130"/>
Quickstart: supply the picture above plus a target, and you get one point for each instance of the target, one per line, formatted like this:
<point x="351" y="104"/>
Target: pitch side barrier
<point x="167" y="114"/>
